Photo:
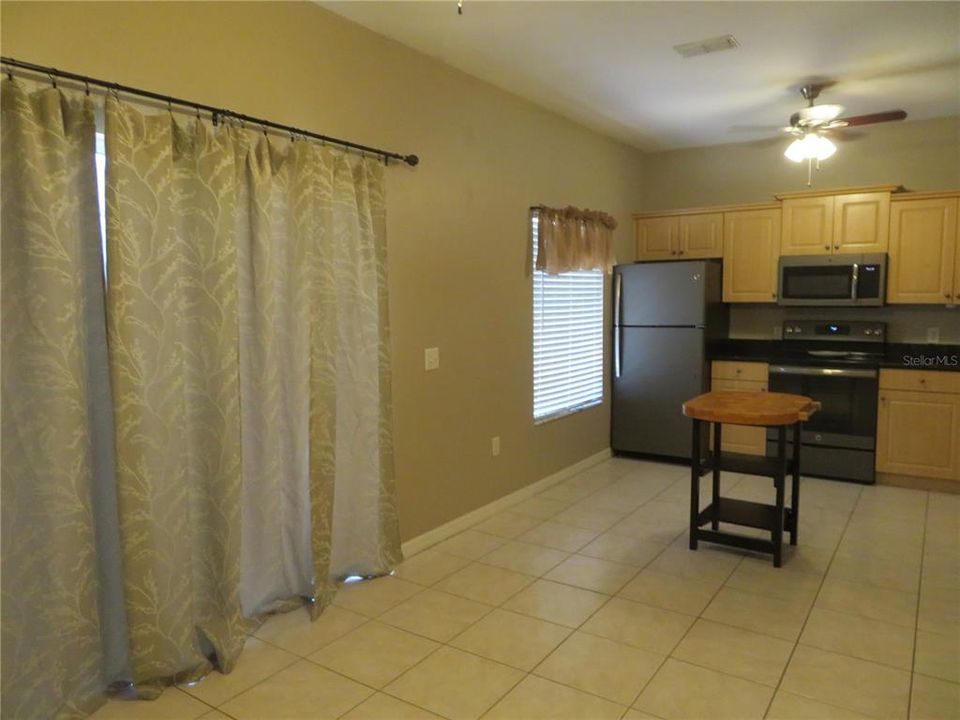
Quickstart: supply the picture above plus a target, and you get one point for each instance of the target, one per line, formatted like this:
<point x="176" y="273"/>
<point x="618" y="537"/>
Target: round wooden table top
<point x="750" y="408"/>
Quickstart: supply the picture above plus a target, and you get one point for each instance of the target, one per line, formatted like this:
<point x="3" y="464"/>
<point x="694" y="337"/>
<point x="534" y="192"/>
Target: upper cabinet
<point x="689" y="236"/>
<point x="924" y="265"/>
<point x="835" y="223"/>
<point x="751" y="250"/>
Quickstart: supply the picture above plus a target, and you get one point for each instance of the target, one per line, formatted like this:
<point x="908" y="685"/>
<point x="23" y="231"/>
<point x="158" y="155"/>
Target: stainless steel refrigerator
<point x="664" y="313"/>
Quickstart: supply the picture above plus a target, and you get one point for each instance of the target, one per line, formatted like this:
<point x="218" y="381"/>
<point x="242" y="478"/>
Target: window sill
<point x="560" y="414"/>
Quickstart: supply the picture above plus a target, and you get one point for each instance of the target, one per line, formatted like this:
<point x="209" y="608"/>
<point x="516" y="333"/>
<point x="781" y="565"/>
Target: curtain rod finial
<point x="412" y="160"/>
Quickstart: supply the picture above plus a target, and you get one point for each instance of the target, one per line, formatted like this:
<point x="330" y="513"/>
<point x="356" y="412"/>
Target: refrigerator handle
<point x="617" y="330"/>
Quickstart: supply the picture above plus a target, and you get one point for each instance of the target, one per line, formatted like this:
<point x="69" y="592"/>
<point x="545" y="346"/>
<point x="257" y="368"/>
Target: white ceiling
<point x="611" y="66"/>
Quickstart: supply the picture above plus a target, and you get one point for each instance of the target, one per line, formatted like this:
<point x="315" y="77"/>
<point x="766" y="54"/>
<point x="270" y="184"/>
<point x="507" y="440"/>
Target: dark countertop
<point x="909" y="356"/>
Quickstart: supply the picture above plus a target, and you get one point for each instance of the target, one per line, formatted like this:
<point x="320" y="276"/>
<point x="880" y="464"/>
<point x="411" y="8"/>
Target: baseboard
<point x="919" y="483"/>
<point x="457" y="525"/>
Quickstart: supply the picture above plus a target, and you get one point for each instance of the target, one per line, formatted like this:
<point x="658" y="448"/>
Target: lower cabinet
<point x="745" y="439"/>
<point x="918" y="424"/>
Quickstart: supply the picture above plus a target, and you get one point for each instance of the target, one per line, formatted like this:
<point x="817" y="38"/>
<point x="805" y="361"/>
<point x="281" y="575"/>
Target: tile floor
<point x="585" y="603"/>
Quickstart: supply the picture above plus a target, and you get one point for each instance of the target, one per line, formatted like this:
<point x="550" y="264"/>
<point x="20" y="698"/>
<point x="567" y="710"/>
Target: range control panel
<point x="835" y="330"/>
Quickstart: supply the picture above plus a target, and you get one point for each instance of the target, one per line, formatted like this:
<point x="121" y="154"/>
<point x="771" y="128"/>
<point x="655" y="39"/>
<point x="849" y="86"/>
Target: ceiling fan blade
<point x="835" y="125"/>
<point x="875" y="117"/>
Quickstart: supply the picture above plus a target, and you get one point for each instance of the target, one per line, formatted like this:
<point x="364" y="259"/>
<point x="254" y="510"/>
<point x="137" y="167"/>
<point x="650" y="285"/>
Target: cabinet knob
<point x="947" y="295"/>
<point x="826" y="247"/>
<point x="680" y="253"/>
<point x="773" y="295"/>
<point x="837" y="246"/>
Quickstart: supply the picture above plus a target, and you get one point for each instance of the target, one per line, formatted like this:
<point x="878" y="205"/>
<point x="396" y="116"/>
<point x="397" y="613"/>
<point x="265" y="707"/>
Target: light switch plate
<point x="431" y="358"/>
<point x="495" y="445"/>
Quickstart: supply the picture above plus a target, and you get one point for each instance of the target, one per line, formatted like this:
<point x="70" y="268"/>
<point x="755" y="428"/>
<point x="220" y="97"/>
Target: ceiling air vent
<point x="710" y="45"/>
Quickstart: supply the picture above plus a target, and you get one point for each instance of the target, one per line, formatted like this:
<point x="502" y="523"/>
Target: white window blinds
<point x="567" y="339"/>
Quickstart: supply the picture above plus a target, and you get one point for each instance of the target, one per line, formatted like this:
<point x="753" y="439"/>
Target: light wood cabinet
<point x="924" y="263"/>
<point x="680" y="237"/>
<point x="751" y="250"/>
<point x="835" y="224"/>
<point x="918" y="430"/>
<point x="744" y="376"/>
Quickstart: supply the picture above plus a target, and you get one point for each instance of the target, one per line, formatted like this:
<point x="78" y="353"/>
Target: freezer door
<point x="664" y="293"/>
<point x="660" y="369"/>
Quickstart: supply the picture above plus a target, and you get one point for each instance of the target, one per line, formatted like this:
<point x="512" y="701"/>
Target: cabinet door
<point x="657" y="238"/>
<point x="807" y="226"/>
<point x="701" y="236"/>
<point x="746" y="439"/>
<point x="751" y="249"/>
<point x="923" y="240"/>
<point x="918" y="433"/>
<point x="861" y="223"/>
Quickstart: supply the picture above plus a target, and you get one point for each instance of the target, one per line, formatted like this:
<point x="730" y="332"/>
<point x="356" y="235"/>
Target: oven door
<point x="816" y="284"/>
<point x="848" y="416"/>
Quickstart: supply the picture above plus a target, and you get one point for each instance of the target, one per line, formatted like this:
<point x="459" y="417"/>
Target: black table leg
<point x="779" y="480"/>
<point x="715" y="524"/>
<point x="695" y="485"/>
<point x="795" y="487"/>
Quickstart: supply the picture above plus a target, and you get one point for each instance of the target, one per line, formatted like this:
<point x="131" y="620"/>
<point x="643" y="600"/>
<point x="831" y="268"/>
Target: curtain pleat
<point x="572" y="239"/>
<point x="55" y="456"/>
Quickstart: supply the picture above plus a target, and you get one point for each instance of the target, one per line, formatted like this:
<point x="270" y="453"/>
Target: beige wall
<point x="457" y="224"/>
<point x="920" y="155"/>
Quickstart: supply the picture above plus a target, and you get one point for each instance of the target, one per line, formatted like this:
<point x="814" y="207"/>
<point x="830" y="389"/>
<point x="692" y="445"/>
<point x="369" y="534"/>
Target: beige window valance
<point x="572" y="239"/>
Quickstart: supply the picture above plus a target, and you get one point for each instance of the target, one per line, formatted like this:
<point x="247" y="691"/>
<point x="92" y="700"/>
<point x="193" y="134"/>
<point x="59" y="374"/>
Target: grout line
<point x="916" y="627"/>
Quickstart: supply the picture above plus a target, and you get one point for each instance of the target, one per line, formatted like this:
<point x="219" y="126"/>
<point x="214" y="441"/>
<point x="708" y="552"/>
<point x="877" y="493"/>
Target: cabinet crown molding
<point x="839" y="191"/>
<point x="705" y="210"/>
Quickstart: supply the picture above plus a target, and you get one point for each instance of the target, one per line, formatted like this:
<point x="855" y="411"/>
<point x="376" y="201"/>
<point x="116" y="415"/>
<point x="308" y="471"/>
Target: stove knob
<point x="796" y="329"/>
<point x="868" y="331"/>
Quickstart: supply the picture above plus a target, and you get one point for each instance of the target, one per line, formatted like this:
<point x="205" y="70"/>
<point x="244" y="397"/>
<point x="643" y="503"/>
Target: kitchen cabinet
<point x="680" y="237"/>
<point x="748" y="377"/>
<point x="836" y="224"/>
<point x="924" y="261"/>
<point x="918" y="424"/>
<point x="751" y="250"/>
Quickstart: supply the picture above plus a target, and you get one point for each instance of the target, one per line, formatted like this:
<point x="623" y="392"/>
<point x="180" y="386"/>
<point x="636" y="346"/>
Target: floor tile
<point x="540" y="507"/>
<point x="705" y="564"/>
<point x="507" y="525"/>
<point x="672" y="592"/>
<point x="681" y="690"/>
<point x="568" y="493"/>
<point x="797" y="558"/>
<point x="855" y="684"/>
<point x="374" y="654"/>
<point x="375" y="596"/>
<point x="642" y="626"/>
<point x="484" y="583"/>
<point x="258" y="661"/>
<point x="939" y="610"/>
<point x="590" y="518"/>
<point x="430" y="567"/>
<point x="634" y="714"/>
<point x="592" y="574"/>
<point x="470" y="544"/>
<point x="856" y="598"/>
<point x="525" y="558"/>
<point x="384" y="707"/>
<point x="171" y="705"/>
<point x="623" y="549"/>
<point x="517" y="640"/>
<point x="455" y="684"/>
<point x="932" y="699"/>
<point x="301" y="691"/>
<point x="859" y="637"/>
<point x="556" y="602"/>
<point x="214" y="715"/>
<point x="875" y="570"/>
<point x="661" y="530"/>
<point x="782" y="582"/>
<point x="787" y="706"/>
<point x="558" y="536"/>
<point x="435" y="615"/>
<point x="760" y="613"/>
<point x="294" y="631"/>
<point x="539" y="699"/>
<point x="735" y="651"/>
<point x="600" y="666"/>
<point x="938" y="655"/>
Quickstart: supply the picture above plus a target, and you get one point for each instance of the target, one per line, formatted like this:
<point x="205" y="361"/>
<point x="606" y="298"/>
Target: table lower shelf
<point x="745" y="513"/>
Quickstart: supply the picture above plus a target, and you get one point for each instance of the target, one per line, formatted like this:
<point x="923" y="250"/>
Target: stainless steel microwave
<point x="833" y="280"/>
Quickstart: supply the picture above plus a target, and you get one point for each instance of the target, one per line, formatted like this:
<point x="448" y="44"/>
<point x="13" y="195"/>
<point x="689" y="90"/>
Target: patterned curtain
<point x="231" y="445"/>
<point x="569" y="239"/>
<point x="55" y="453"/>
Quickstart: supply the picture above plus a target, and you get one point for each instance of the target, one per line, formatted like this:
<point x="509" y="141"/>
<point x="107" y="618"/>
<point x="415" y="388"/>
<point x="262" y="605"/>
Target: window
<point x="567" y="340"/>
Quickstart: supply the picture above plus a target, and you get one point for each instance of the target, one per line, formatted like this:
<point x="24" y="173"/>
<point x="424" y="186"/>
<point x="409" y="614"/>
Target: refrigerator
<point x="664" y="314"/>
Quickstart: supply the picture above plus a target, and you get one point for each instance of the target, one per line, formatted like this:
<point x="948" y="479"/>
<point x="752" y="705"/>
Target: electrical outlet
<point x="933" y="334"/>
<point x="431" y="358"/>
<point x="495" y="445"/>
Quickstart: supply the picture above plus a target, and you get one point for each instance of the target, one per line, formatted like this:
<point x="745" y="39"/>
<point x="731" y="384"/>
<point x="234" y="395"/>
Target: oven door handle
<point x="854" y="281"/>
<point x="822" y="371"/>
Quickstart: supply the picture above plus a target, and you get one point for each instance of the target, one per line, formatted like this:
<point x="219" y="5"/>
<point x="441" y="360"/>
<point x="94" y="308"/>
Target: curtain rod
<point x="215" y="112"/>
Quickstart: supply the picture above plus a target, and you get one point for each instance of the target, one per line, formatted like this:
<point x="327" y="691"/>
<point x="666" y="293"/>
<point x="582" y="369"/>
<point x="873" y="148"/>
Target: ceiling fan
<point x="810" y="125"/>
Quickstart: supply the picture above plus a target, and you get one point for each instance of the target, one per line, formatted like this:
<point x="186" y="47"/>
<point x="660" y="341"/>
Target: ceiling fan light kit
<point x="809" y="125"/>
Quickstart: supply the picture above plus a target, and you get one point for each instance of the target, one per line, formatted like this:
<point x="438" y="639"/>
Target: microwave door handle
<point x="854" y="281"/>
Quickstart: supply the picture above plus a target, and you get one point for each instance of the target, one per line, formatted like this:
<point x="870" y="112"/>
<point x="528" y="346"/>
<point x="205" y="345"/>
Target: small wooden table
<point x="747" y="408"/>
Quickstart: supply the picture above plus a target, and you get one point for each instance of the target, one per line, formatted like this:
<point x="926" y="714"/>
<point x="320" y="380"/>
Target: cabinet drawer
<point x="736" y="370"/>
<point x="920" y="380"/>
